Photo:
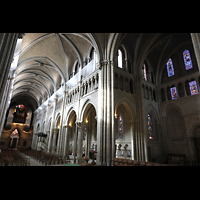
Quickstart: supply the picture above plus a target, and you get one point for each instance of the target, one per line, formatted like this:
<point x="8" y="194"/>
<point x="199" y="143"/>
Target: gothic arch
<point x="70" y="114"/>
<point x="127" y="105"/>
<point x="76" y="64"/>
<point x="174" y="124"/>
<point x="124" y="128"/>
<point x="91" y="48"/>
<point x="152" y="110"/>
<point x="85" y="106"/>
<point x="171" y="106"/>
<point x="58" y="118"/>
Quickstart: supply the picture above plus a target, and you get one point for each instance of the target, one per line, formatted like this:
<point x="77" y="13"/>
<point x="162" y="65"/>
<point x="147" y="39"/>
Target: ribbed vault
<point x="46" y="61"/>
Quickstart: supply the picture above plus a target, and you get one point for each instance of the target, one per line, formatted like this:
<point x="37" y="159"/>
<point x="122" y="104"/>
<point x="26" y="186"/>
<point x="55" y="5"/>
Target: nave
<point x="129" y="95"/>
<point x="29" y="157"/>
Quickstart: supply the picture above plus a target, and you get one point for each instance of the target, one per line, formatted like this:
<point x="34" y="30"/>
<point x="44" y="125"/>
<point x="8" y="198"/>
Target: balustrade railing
<point x="83" y="87"/>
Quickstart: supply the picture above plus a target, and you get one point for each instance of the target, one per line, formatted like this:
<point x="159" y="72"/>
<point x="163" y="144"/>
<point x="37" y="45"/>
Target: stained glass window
<point x="119" y="58"/>
<point x="173" y="93"/>
<point x="187" y="60"/>
<point x="14" y="133"/>
<point x="150" y="131"/>
<point x="144" y="73"/>
<point x="21" y="106"/>
<point x="120" y="127"/>
<point x="170" y="68"/>
<point x="193" y="87"/>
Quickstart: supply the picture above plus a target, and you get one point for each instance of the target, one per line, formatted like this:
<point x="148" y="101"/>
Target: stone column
<point x="112" y="100"/>
<point x="47" y="117"/>
<point x="75" y="144"/>
<point x="79" y="142"/>
<point x="104" y="117"/>
<point x="5" y="101"/>
<point x="87" y="148"/>
<point x="132" y="140"/>
<point x="196" y="43"/>
<point x="109" y="111"/>
<point x="55" y="133"/>
<point x="52" y="124"/>
<point x="7" y="48"/>
<point x="141" y="137"/>
<point x="66" y="141"/>
<point x="60" y="135"/>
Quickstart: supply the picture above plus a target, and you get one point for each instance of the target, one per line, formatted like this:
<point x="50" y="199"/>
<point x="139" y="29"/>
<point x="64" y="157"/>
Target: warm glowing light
<point x="116" y="115"/>
<point x="86" y="121"/>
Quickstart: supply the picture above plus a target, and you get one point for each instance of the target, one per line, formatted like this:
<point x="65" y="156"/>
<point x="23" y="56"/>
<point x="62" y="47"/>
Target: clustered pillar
<point x="7" y="47"/>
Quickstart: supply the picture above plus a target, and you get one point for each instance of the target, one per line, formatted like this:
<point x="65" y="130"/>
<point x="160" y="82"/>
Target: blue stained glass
<point x="170" y="68"/>
<point x="173" y="93"/>
<point x="120" y="127"/>
<point x="187" y="60"/>
<point x="193" y="87"/>
<point x="150" y="131"/>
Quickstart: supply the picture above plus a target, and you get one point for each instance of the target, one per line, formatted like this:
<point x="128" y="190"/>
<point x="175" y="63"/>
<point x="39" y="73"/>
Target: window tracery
<point x="193" y="87"/>
<point x="173" y="93"/>
<point x="187" y="60"/>
<point x="120" y="127"/>
<point x="120" y="59"/>
<point x="170" y="68"/>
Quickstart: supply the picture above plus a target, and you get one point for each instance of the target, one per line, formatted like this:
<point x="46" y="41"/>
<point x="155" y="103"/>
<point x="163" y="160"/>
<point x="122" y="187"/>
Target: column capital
<point x="55" y="130"/>
<point x="56" y="98"/>
<point x="65" y="92"/>
<point x="99" y="65"/>
<point x="79" y="124"/>
<point x="67" y="126"/>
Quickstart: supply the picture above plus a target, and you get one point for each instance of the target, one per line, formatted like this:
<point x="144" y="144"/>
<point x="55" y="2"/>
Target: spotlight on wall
<point x="116" y="115"/>
<point x="86" y="121"/>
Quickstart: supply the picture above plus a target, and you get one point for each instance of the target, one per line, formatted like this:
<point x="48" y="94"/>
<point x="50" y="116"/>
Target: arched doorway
<point x="70" y="149"/>
<point x="124" y="144"/>
<point x="89" y="130"/>
<point x="14" y="138"/>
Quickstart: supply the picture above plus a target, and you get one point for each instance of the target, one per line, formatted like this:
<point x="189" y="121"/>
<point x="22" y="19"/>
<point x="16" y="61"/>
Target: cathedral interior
<point x="102" y="96"/>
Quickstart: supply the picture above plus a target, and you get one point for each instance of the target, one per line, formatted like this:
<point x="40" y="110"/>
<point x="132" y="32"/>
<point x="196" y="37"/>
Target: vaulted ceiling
<point x="46" y="59"/>
<point x="45" y="63"/>
<point x="154" y="48"/>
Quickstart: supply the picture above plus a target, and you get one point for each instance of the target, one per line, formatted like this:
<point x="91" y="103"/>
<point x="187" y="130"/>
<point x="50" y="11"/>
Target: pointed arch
<point x="70" y="116"/>
<point x="85" y="107"/>
<point x="128" y="105"/>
